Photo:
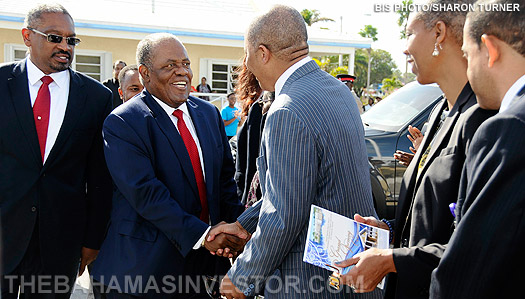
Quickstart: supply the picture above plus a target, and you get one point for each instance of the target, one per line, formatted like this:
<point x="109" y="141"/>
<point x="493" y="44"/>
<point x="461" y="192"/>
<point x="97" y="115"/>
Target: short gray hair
<point x="34" y="16"/>
<point x="147" y="44"/>
<point x="453" y="19"/>
<point x="282" y="30"/>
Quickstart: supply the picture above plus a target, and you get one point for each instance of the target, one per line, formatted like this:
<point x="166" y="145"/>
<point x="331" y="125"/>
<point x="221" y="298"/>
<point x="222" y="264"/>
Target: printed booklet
<point x="333" y="237"/>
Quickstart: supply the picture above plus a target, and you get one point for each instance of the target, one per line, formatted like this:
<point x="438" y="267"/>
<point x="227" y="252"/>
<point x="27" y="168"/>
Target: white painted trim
<point x="106" y="61"/>
<point x="9" y="51"/>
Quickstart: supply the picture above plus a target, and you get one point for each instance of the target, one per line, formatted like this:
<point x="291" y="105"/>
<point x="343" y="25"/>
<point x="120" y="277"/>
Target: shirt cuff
<point x="199" y="243"/>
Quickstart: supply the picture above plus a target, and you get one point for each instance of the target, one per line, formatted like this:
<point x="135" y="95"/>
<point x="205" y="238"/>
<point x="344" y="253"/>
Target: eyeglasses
<point x="57" y="39"/>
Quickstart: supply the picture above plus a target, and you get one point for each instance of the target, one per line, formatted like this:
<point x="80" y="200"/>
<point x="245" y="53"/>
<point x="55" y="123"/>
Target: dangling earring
<point x="436" y="51"/>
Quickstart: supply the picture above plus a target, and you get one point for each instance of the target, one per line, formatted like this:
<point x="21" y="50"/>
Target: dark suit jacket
<point x="248" y="143"/>
<point x="70" y="194"/>
<point x="484" y="257"/>
<point x="113" y="85"/>
<point x="424" y="221"/>
<point x="155" y="216"/>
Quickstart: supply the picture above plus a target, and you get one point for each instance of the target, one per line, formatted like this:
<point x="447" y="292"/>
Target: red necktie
<point x="195" y="162"/>
<point x="41" y="113"/>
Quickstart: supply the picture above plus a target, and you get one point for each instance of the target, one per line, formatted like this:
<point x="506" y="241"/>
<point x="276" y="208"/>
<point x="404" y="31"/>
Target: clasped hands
<point x="226" y="239"/>
<point x="370" y="266"/>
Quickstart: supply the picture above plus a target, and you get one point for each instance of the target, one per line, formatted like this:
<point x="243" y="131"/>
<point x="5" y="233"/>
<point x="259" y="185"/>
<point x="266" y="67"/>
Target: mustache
<point x="62" y="52"/>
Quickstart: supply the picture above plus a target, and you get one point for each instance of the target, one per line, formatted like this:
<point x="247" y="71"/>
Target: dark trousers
<point x="202" y="275"/>
<point x="33" y="280"/>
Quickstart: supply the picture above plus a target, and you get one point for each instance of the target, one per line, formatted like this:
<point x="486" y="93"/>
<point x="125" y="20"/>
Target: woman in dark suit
<point x="255" y="105"/>
<point x="424" y="221"/>
<point x="249" y="136"/>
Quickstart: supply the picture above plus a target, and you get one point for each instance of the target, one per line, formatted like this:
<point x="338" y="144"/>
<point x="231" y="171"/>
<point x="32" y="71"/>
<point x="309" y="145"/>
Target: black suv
<point x="386" y="127"/>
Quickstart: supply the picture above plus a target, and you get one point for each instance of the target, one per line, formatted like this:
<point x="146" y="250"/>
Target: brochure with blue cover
<point x="333" y="237"/>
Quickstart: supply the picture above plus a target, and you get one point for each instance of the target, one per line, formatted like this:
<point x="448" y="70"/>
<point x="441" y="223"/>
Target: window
<point x="221" y="74"/>
<point x="96" y="64"/>
<point x="89" y="65"/>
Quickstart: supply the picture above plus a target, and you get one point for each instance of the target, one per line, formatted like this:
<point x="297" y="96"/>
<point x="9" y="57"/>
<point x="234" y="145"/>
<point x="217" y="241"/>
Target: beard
<point x="61" y="66"/>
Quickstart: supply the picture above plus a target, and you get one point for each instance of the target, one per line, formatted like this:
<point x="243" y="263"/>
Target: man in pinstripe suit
<point x="312" y="152"/>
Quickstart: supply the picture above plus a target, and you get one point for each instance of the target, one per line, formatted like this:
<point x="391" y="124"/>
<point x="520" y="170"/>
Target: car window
<point x="399" y="108"/>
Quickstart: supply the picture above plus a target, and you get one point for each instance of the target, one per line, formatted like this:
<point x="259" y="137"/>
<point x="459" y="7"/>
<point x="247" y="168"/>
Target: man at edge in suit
<point x="55" y="189"/>
<point x="171" y="163"/>
<point x="486" y="249"/>
<point x="312" y="140"/>
<point x="113" y="83"/>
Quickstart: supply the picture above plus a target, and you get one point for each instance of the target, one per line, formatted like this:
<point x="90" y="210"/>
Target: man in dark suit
<point x="171" y="163"/>
<point x="113" y="83"/>
<point x="485" y="254"/>
<point x="55" y="189"/>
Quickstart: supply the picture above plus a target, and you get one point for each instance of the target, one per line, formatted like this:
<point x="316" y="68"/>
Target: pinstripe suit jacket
<point x="312" y="152"/>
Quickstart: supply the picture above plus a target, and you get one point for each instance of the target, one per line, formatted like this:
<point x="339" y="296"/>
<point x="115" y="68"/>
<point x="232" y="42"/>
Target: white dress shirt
<point x="59" y="92"/>
<point x="511" y="93"/>
<point x="189" y="123"/>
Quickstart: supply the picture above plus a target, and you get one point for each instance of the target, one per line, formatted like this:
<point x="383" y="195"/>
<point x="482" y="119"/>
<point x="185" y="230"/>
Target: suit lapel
<point x="411" y="173"/>
<point x="75" y="106"/>
<point x="447" y="127"/>
<point x="19" y="94"/>
<point x="174" y="138"/>
<point x="203" y="133"/>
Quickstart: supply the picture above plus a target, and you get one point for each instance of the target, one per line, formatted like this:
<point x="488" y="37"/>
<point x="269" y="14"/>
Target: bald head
<point x="282" y="30"/>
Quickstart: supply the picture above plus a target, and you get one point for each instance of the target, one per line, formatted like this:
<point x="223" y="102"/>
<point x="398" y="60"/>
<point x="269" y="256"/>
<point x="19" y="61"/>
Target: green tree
<point x="382" y="66"/>
<point x="391" y="84"/>
<point x="339" y="70"/>
<point x="324" y="63"/>
<point x="369" y="32"/>
<point x="313" y="16"/>
<point x="404" y="14"/>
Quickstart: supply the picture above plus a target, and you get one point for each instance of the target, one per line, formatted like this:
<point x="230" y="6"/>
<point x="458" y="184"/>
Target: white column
<point x="340" y="59"/>
<point x="351" y="62"/>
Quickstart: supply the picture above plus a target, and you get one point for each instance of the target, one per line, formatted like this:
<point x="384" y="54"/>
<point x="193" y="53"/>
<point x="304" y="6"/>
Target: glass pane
<point x="88" y="68"/>
<point x="20" y="54"/>
<point x="400" y="107"/>
<point x="220" y="68"/>
<point x="88" y="59"/>
<point x="218" y="84"/>
<point x="219" y="76"/>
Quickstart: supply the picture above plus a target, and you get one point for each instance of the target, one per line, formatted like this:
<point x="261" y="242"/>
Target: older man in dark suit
<point x="55" y="189"/>
<point x="171" y="162"/>
<point x="485" y="254"/>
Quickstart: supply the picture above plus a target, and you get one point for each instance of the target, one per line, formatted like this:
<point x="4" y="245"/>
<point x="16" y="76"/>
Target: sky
<point x="355" y="15"/>
<point x="350" y="15"/>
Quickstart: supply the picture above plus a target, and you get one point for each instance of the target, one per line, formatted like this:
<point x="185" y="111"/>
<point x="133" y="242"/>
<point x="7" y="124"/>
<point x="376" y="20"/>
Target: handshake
<point x="226" y="239"/>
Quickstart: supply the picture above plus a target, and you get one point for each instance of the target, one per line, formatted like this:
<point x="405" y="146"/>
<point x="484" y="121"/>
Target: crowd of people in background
<point x="134" y="178"/>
